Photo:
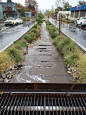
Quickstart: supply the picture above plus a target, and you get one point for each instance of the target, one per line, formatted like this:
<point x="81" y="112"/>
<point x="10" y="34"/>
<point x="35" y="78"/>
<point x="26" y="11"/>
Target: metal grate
<point x="42" y="104"/>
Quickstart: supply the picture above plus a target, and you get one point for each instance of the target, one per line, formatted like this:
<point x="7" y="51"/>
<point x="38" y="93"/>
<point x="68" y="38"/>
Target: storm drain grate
<point x="45" y="45"/>
<point x="44" y="51"/>
<point x="51" y="61"/>
<point x="41" y="48"/>
<point x="42" y="104"/>
<point x="42" y="55"/>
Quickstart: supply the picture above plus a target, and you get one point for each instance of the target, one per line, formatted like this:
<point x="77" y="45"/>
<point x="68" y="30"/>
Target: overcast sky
<point x="47" y="4"/>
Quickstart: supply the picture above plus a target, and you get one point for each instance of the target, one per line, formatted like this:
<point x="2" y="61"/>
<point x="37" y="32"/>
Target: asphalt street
<point x="10" y="34"/>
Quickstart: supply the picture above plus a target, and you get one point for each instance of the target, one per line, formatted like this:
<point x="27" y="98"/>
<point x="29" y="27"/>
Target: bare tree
<point x="31" y="6"/>
<point x="81" y="2"/>
<point x="8" y="10"/>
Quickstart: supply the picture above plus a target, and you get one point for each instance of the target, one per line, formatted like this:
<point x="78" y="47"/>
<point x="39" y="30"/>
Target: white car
<point x="20" y="21"/>
<point x="81" y="21"/>
<point x="11" y="21"/>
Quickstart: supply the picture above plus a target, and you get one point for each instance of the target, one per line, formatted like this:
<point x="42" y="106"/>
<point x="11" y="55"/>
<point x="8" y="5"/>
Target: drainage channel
<point x="42" y="104"/>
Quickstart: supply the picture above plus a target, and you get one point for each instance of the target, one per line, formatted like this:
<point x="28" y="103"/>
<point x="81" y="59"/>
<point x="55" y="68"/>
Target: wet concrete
<point x="43" y="63"/>
<point x="75" y="33"/>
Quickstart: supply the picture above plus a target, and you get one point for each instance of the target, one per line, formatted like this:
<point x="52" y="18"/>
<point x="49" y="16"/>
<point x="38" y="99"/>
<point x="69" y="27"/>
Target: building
<point x="28" y="14"/>
<point x="78" y="11"/>
<point x="9" y="9"/>
<point x="64" y="13"/>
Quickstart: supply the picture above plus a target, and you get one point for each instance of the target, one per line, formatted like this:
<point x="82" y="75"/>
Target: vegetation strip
<point x="74" y="58"/>
<point x="13" y="57"/>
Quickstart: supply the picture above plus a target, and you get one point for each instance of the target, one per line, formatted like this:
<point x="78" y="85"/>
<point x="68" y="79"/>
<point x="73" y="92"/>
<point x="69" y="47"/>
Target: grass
<point x="23" y="44"/>
<point x="16" y="54"/>
<point x="28" y="38"/>
<point x="5" y="61"/>
<point x="12" y="55"/>
<point x="81" y="65"/>
<point x="52" y="30"/>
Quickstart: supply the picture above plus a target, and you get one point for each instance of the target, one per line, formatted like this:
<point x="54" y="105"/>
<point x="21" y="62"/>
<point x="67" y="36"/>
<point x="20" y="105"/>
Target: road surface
<point x="11" y="34"/>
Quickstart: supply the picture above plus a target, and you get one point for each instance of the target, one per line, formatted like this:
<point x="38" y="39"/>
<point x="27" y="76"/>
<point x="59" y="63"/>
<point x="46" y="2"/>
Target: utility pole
<point x="59" y="24"/>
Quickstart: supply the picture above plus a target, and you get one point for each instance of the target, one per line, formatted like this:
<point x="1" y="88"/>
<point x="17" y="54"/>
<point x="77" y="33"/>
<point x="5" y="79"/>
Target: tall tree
<point x="81" y="3"/>
<point x="67" y="6"/>
<point x="20" y="8"/>
<point x="31" y="6"/>
<point x="9" y="0"/>
<point x="59" y="2"/>
<point x="52" y="11"/>
<point x="8" y="10"/>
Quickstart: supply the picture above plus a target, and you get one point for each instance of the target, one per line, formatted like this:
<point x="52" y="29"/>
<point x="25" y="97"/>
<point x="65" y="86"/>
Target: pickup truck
<point x="11" y="21"/>
<point x="81" y="21"/>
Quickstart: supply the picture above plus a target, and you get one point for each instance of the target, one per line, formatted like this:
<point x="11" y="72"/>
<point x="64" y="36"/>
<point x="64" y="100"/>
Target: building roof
<point x="81" y="7"/>
<point x="13" y="12"/>
<point x="5" y="4"/>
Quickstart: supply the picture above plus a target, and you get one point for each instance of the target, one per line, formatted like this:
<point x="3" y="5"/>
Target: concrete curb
<point x="17" y="38"/>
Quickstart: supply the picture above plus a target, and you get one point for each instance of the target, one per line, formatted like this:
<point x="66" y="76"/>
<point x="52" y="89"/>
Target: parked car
<point x="11" y="21"/>
<point x="20" y="21"/>
<point x="81" y="21"/>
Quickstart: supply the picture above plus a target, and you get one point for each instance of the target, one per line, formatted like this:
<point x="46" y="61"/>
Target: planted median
<point x="13" y="57"/>
<point x="74" y="58"/>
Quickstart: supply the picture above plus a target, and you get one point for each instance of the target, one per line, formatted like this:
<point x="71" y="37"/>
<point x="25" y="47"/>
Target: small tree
<point x="4" y="16"/>
<point x="9" y="0"/>
<point x="40" y="17"/>
<point x="49" y="14"/>
<point x="67" y="16"/>
<point x="67" y="6"/>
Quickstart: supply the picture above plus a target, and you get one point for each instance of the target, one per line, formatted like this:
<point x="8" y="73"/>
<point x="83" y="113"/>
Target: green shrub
<point x="23" y="44"/>
<point x="15" y="54"/>
<point x="51" y="29"/>
<point x="5" y="62"/>
<point x="56" y="40"/>
<point x="72" y="58"/>
<point x="62" y="43"/>
<point x="33" y="36"/>
<point x="54" y="35"/>
<point x="28" y="38"/>
<point x="33" y="30"/>
<point x="35" y="26"/>
<point x="69" y="48"/>
<point x="18" y="46"/>
<point x="48" y="23"/>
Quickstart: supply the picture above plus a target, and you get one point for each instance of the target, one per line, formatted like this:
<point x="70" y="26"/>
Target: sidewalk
<point x="43" y="63"/>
